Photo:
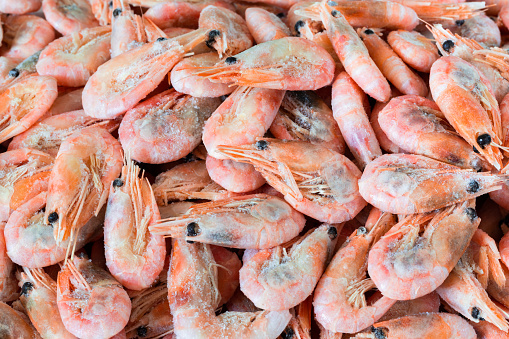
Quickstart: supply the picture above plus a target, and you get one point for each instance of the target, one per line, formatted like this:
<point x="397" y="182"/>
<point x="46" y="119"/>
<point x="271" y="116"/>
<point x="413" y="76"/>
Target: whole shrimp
<point x="69" y="16"/>
<point x="251" y="221"/>
<point x="276" y="281"/>
<point x="407" y="263"/>
<point x="416" y="50"/>
<point x="339" y="300"/>
<point x="92" y="304"/>
<point x="315" y="180"/>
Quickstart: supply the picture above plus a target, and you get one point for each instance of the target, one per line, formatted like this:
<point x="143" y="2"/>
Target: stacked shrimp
<point x="260" y="169"/>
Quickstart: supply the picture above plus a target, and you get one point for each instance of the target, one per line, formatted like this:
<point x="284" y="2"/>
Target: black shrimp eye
<point x="110" y="4"/>
<point x="162" y="38"/>
<point x="447" y="45"/>
<point x="280" y="15"/>
<point x="288" y="333"/>
<point x="334" y="13"/>
<point x="332" y="232"/>
<point x="14" y="73"/>
<point x="118" y="182"/>
<point x="52" y="217"/>
<point x="484" y="140"/>
<point x="460" y="22"/>
<point x="369" y="31"/>
<point x="26" y="288"/>
<point x="378" y="332"/>
<point x="213" y="34"/>
<point x="473" y="187"/>
<point x="298" y="25"/>
<point x="471" y="213"/>
<point x="476" y="313"/>
<point x="362" y="230"/>
<point x="142" y="331"/>
<point x="230" y="60"/>
<point x="192" y="229"/>
<point x="262" y="145"/>
<point x="116" y="12"/>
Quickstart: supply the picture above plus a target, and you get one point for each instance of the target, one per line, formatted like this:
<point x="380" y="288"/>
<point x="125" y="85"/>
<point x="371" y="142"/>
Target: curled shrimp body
<point x="315" y="180"/>
<point x="244" y="116"/>
<point x="339" y="300"/>
<point x="235" y="176"/>
<point x="385" y="143"/>
<point x="72" y="59"/>
<point x="407" y="184"/>
<point x="408" y="263"/>
<point x="291" y="63"/>
<point x="192" y="293"/>
<point x="19" y="7"/>
<point x="69" y="16"/>
<point x="481" y="29"/>
<point x="39" y="299"/>
<point x="133" y="255"/>
<point x="251" y="221"/>
<point x="14" y="324"/>
<point x="416" y="50"/>
<point x="8" y="286"/>
<point x="274" y="280"/>
<point x="165" y="127"/>
<point x="91" y="303"/>
<point x="417" y="124"/>
<point x="265" y="26"/>
<point x="87" y="162"/>
<point x="465" y="97"/>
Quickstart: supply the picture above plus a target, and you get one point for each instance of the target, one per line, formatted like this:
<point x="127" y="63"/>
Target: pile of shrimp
<point x="254" y="169"/>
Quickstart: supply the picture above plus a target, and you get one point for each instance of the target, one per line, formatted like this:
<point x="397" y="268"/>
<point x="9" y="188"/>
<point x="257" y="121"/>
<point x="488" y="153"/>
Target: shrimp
<point x="133" y="255"/>
<point x="353" y="55"/>
<point x="251" y="221"/>
<point x="48" y="134"/>
<point x="19" y="7"/>
<point x="127" y="30"/>
<point x="465" y="97"/>
<point x="165" y="127"/>
<point x="67" y="102"/>
<point x="69" y="16"/>
<point x="416" y="50"/>
<point x="418" y="125"/>
<point x="293" y="64"/>
<point x="391" y="66"/>
<point x="90" y="301"/>
<point x="72" y="59"/>
<point x="265" y="26"/>
<point x="102" y="10"/>
<point x="8" y="282"/>
<point x="429" y="303"/>
<point x="24" y="35"/>
<point x="385" y="143"/>
<point x="417" y="254"/>
<point x="304" y="116"/>
<point x="424" y="326"/>
<point x="183" y="80"/>
<point x="486" y="330"/>
<point x="439" y="12"/>
<point x="481" y="29"/>
<point x="14" y="325"/>
<point x="234" y="176"/>
<point x="39" y="299"/>
<point x="87" y="162"/>
<point x="350" y="115"/>
<point x="6" y="66"/>
<point x="276" y="281"/>
<point x="339" y="299"/>
<point x="244" y="116"/>
<point x="192" y="291"/>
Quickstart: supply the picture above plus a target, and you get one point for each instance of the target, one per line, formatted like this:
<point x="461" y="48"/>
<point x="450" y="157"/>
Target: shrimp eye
<point x="280" y="15"/>
<point x="298" y="26"/>
<point x="332" y="232"/>
<point x="116" y="12"/>
<point x="14" y="73"/>
<point x="476" y="313"/>
<point x="26" y="288"/>
<point x="471" y="213"/>
<point x="52" y="217"/>
<point x="110" y="4"/>
<point x="288" y="333"/>
<point x="475" y="150"/>
<point x="261" y="145"/>
<point x="142" y="331"/>
<point x="379" y="332"/>
<point x="473" y="187"/>
<point x="162" y="39"/>
<point x="192" y="229"/>
<point x="362" y="230"/>
<point x="460" y="22"/>
<point x="230" y="60"/>
<point x="369" y="31"/>
<point x="484" y="140"/>
<point x="332" y="3"/>
<point x="213" y="34"/>
<point x="447" y="45"/>
<point x="334" y="13"/>
<point x="118" y="182"/>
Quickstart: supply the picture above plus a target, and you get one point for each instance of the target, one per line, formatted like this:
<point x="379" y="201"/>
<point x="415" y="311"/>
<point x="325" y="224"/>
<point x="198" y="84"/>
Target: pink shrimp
<point x="385" y="143"/>
<point x="90" y="300"/>
<point x="102" y="10"/>
<point x="165" y="127"/>
<point x="415" y="49"/>
<point x="425" y="304"/>
<point x="19" y="7"/>
<point x="349" y="113"/>
<point x="127" y="30"/>
<point x="8" y="285"/>
<point x="234" y="176"/>
<point x="481" y="29"/>
<point x="486" y="330"/>
<point x="14" y="324"/>
<point x="265" y="26"/>
<point x="69" y="16"/>
<point x="66" y="102"/>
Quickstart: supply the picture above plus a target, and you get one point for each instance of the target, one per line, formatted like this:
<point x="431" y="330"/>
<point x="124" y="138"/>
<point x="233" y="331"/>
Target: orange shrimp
<point x="19" y="7"/>
<point x="416" y="50"/>
<point x="14" y="324"/>
<point x="234" y="176"/>
<point x="265" y="26"/>
<point x="257" y="221"/>
<point x="304" y="116"/>
<point x="134" y="256"/>
<point x="353" y="55"/>
<point x="67" y="102"/>
<point x="165" y="127"/>
<point x="339" y="300"/>
<point x="349" y="112"/>
<point x="8" y="285"/>
<point x="72" y="59"/>
<point x="274" y="280"/>
<point x="416" y="124"/>
<point x="127" y="29"/>
<point x="486" y="330"/>
<point x="90" y="300"/>
<point x="429" y="303"/>
<point x="442" y="12"/>
<point x="242" y="118"/>
<point x="315" y="180"/>
<point x="39" y="299"/>
<point x="408" y="263"/>
<point x="87" y="162"/>
<point x="391" y="66"/>
<point x="102" y="10"/>
<point x="6" y="66"/>
<point x="192" y="292"/>
<point x="385" y="143"/>
<point x="69" y="16"/>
